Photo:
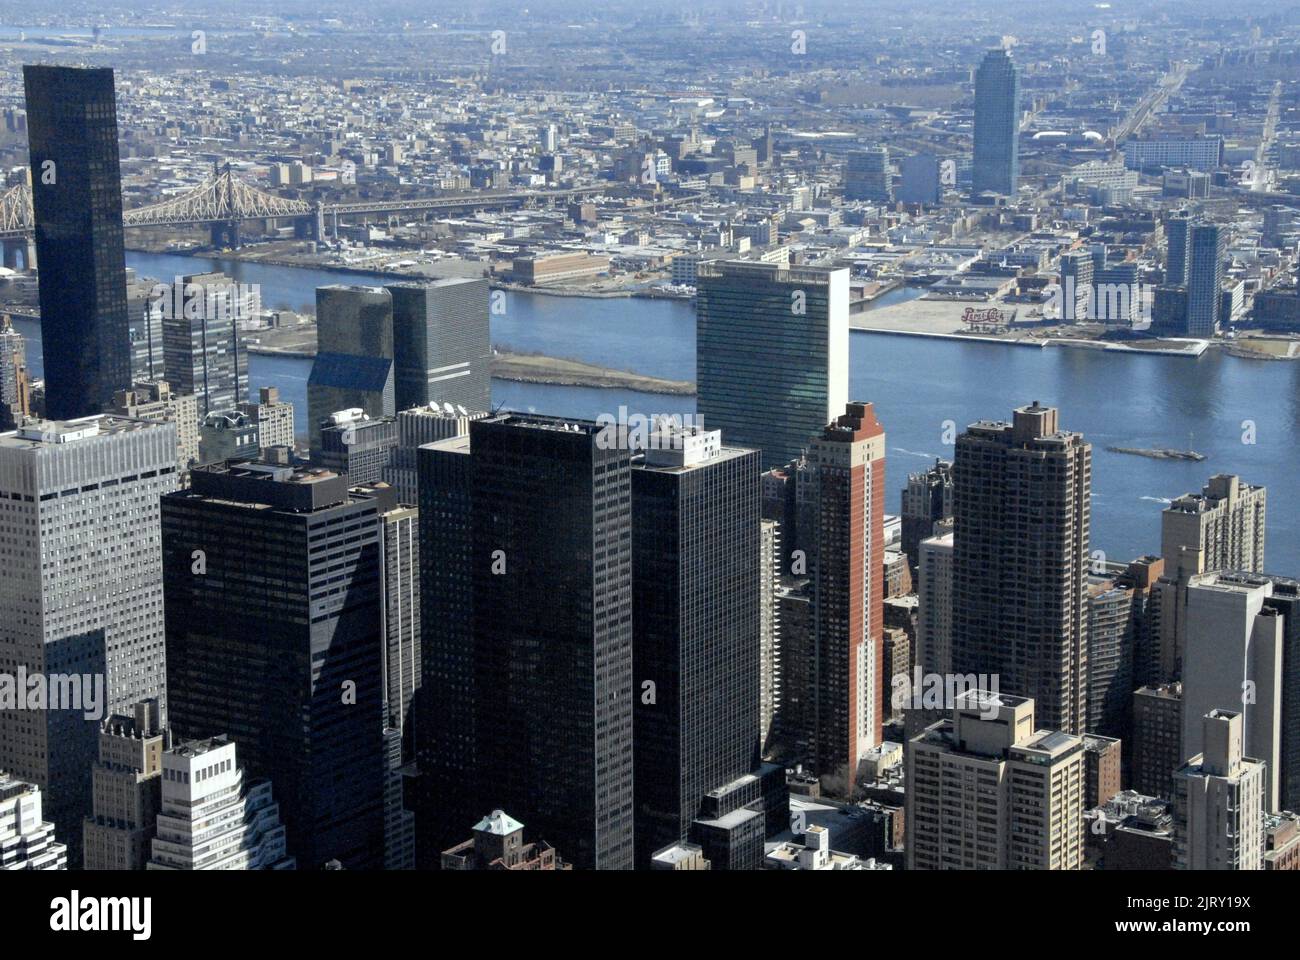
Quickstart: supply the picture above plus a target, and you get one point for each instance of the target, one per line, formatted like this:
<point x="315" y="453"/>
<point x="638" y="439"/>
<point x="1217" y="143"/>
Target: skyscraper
<point x="27" y="839"/>
<point x="769" y="579"/>
<point x="1078" y="300"/>
<point x="934" y="604"/>
<point x="356" y="445"/>
<point x="1178" y="233"/>
<point x="1224" y="522"/>
<point x="273" y="417"/>
<point x="867" y="176"/>
<point x="1157" y="742"/>
<point x="1241" y="653"/>
<point x="442" y="343"/>
<point x="997" y="125"/>
<point x="772" y="348"/>
<point x="127" y="790"/>
<point x="847" y="463"/>
<point x="416" y="427"/>
<point x="1219" y="801"/>
<point x="695" y="619"/>
<point x="82" y="592"/>
<point x="77" y="200"/>
<point x="15" y="404"/>
<point x="354" y="359"/>
<point x="990" y="790"/>
<point x="210" y="819"/>
<point x="927" y="499"/>
<point x="528" y="633"/>
<point x="284" y="653"/>
<point x="1206" y="252"/>
<point x="922" y="180"/>
<point x="203" y="352"/>
<point x="1021" y="508"/>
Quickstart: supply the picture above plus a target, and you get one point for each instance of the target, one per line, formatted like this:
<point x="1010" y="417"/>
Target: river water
<point x="1215" y="404"/>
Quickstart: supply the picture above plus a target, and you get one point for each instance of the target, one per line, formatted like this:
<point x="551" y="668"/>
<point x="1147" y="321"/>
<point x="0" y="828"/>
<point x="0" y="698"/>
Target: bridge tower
<point x="225" y="234"/>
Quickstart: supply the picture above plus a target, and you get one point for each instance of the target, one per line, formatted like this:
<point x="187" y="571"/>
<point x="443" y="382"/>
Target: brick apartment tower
<point x="1021" y="507"/>
<point x="848" y="466"/>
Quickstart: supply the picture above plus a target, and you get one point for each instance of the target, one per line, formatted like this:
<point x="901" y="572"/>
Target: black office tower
<point x="526" y="555"/>
<point x="695" y="618"/>
<point x="77" y="201"/>
<point x="442" y="344"/>
<point x="272" y="585"/>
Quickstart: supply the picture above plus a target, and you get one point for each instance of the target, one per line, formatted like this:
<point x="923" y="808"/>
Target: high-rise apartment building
<point x="997" y="125"/>
<point x="77" y="201"/>
<point x="1078" y="296"/>
<point x="82" y="592"/>
<point x="1225" y="522"/>
<point x="1219" y="801"/>
<point x="934" y="605"/>
<point x="1156" y="749"/>
<point x="15" y="399"/>
<point x="1206" y="252"/>
<point x="1102" y="769"/>
<point x="987" y="790"/>
<point x="527" y="647"/>
<point x="696" y="564"/>
<point x="273" y="417"/>
<point x="1021" y="510"/>
<point x="1119" y="602"/>
<point x="210" y="819"/>
<point x="772" y="349"/>
<point x="284" y="655"/>
<point x="1178" y="235"/>
<point x="847" y="464"/>
<point x="927" y="499"/>
<point x="127" y="791"/>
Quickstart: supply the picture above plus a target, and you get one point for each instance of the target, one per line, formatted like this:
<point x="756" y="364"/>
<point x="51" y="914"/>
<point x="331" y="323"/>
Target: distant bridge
<point x="223" y="201"/>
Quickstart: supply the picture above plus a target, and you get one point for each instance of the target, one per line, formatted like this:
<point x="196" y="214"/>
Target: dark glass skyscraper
<point x="695" y="618"/>
<point x="526" y="558"/>
<point x="771" y="353"/>
<point x="384" y="349"/>
<point x="77" y="200"/>
<point x="997" y="125"/>
<point x="354" y="358"/>
<point x="441" y="342"/>
<point x="273" y="592"/>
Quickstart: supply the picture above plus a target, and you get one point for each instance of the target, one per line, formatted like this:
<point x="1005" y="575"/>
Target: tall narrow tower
<point x="1021" y="509"/>
<point x="848" y="473"/>
<point x="997" y="125"/>
<point x="77" y="200"/>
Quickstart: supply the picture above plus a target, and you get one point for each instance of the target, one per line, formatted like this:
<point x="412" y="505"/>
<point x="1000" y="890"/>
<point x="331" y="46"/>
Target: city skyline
<point x="584" y="437"/>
